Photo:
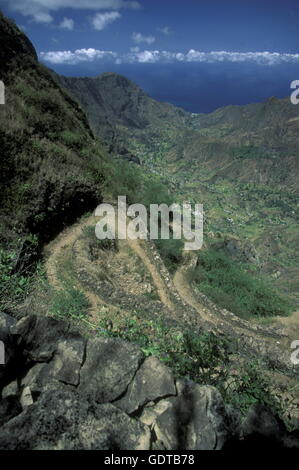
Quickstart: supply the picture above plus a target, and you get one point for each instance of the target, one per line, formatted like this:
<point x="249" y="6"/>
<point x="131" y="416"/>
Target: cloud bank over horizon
<point x="179" y="52"/>
<point x="156" y="56"/>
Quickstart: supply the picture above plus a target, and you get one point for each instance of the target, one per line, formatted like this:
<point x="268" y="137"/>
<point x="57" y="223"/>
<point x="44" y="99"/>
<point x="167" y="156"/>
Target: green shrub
<point x="72" y="140"/>
<point x="249" y="151"/>
<point x="155" y="192"/>
<point x="15" y="285"/>
<point x="122" y="179"/>
<point x="69" y="303"/>
<point x="250" y="387"/>
<point x="200" y="356"/>
<point x="171" y="252"/>
<point x="231" y="287"/>
<point x="12" y="284"/>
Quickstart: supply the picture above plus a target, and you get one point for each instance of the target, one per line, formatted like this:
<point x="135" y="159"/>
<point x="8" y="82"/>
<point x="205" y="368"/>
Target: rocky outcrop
<point x="196" y="419"/>
<point x="109" y="367"/>
<point x="60" y="390"/>
<point x="152" y="381"/>
<point x="240" y="250"/>
<point x="62" y="420"/>
<point x="6" y="322"/>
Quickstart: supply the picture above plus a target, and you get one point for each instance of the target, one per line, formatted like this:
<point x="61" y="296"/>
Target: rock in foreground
<point x="60" y="390"/>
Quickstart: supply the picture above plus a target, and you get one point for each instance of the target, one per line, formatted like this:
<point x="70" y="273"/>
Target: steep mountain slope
<point x="53" y="169"/>
<point x="51" y="164"/>
<point x="115" y="105"/>
<point x="259" y="142"/>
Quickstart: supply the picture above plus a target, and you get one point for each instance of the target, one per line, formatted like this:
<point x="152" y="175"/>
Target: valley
<point x="85" y="317"/>
<point x="240" y="162"/>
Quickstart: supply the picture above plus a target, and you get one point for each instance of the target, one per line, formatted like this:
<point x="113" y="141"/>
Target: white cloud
<point x="262" y="58"/>
<point x="101" y="20"/>
<point x="149" y="57"/>
<point x="165" y="30"/>
<point x="67" y="23"/>
<point x="156" y="56"/>
<point x="180" y="56"/>
<point x="42" y="17"/>
<point x="79" y="55"/>
<point x="40" y="10"/>
<point x="138" y="38"/>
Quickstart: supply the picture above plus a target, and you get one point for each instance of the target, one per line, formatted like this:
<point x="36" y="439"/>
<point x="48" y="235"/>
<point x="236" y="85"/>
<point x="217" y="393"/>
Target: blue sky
<point x="198" y="54"/>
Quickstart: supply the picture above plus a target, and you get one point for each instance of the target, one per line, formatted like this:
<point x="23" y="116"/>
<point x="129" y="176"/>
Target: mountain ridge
<point x="271" y="126"/>
<point x="122" y="104"/>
